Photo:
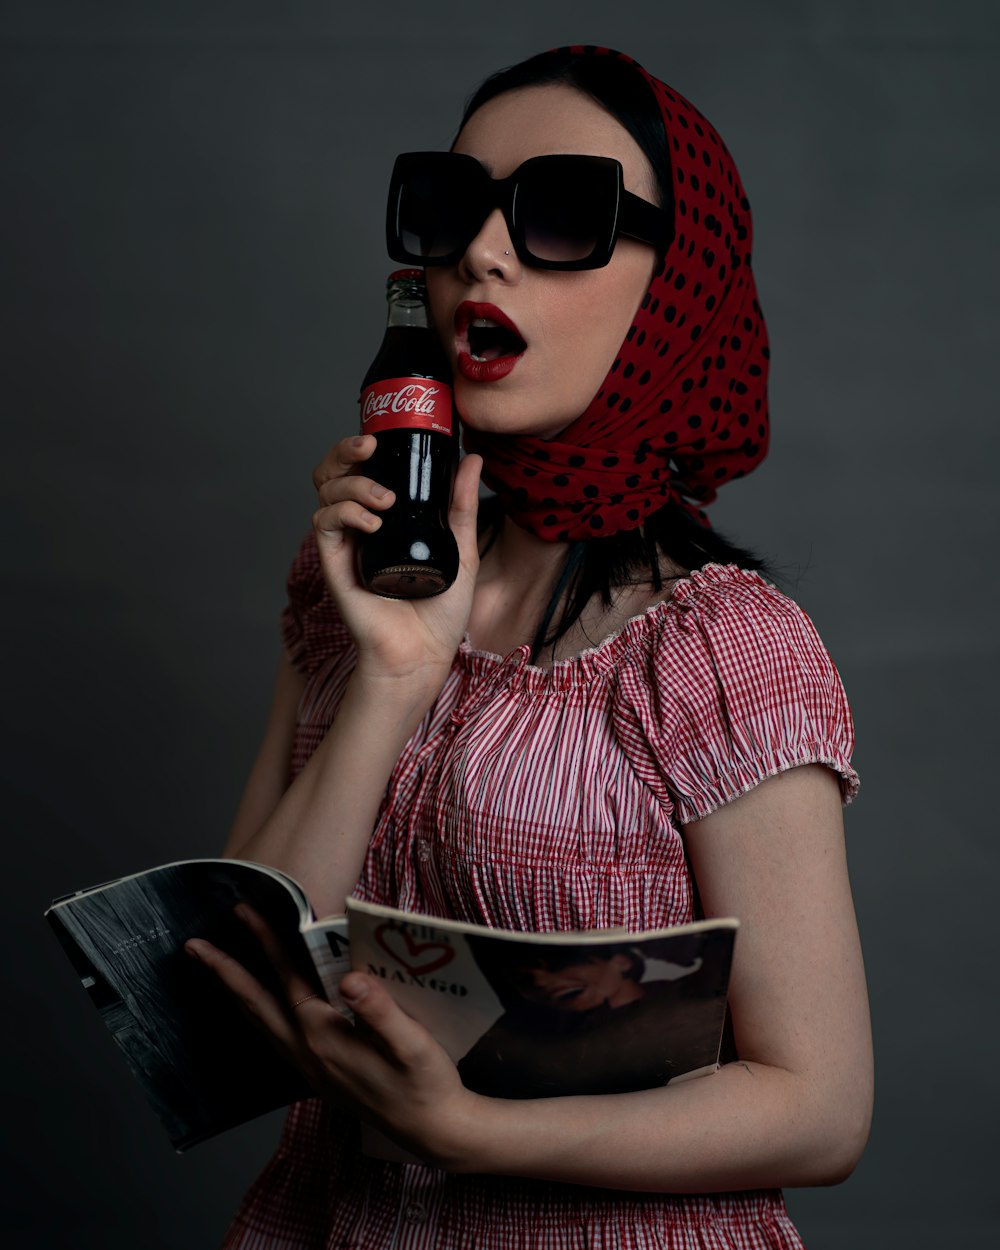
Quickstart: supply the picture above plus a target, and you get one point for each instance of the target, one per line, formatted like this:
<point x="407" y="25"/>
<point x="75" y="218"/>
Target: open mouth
<point x="489" y="341"/>
<point x="486" y="333"/>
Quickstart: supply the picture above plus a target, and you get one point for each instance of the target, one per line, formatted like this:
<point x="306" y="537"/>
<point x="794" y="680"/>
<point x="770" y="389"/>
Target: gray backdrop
<point x="193" y="287"/>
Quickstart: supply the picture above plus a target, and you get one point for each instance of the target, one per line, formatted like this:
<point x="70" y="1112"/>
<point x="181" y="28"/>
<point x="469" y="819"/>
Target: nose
<point x="491" y="253"/>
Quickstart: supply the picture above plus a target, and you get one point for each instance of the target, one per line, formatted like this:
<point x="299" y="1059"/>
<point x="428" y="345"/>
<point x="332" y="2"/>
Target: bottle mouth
<point x="402" y="275"/>
<point x="407" y="287"/>
<point x="408" y="581"/>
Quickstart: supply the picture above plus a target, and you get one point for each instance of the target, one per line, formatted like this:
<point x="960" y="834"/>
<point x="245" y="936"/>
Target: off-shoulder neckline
<point x="609" y="652"/>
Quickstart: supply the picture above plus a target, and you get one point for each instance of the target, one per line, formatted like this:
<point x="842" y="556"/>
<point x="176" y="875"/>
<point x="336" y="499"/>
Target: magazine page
<point x="201" y="1064"/>
<point x="194" y="865"/>
<point x="329" y="945"/>
<point x="544" y="1015"/>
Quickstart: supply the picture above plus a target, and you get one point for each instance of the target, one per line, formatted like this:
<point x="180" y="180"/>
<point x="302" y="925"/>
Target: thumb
<point x="399" y="1035"/>
<point x="465" y="509"/>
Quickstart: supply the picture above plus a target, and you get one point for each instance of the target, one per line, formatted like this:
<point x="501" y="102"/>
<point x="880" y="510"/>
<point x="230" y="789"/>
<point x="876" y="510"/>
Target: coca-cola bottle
<point x="406" y="403"/>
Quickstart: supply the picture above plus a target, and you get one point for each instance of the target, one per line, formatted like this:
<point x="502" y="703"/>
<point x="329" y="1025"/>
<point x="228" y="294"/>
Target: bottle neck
<point x="407" y="312"/>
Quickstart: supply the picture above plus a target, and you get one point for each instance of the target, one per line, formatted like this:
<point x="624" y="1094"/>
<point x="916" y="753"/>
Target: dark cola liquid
<point x="413" y="554"/>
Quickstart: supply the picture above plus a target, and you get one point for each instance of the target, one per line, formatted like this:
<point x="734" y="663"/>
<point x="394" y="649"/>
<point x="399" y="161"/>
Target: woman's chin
<point x="498" y="415"/>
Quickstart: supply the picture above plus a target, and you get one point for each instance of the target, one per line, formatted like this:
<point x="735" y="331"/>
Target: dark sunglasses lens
<point x="433" y="211"/>
<point x="565" y="213"/>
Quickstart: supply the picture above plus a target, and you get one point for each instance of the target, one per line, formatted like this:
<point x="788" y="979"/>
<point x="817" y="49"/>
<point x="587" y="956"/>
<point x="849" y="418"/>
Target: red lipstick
<point x="495" y="333"/>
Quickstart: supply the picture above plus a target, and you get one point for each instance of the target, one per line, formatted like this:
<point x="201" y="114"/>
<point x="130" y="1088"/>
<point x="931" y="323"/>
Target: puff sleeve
<point x="736" y="686"/>
<point x="311" y="628"/>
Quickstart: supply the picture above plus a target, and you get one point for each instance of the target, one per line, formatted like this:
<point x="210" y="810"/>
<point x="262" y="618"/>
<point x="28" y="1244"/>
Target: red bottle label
<point x="407" y="404"/>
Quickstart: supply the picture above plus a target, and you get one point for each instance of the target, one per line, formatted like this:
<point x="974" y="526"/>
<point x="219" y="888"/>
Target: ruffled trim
<point x="744" y="779"/>
<point x="626" y="641"/>
<point x="737" y="688"/>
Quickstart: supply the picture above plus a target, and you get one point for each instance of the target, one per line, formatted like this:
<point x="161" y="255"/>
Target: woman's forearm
<point x="796" y="1110"/>
<point x="747" y="1126"/>
<point x="319" y="831"/>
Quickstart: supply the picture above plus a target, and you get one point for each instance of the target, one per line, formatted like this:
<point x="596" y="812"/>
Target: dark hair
<point x="556" y="958"/>
<point x="611" y="83"/>
<point x="601" y="565"/>
<point x="500" y="964"/>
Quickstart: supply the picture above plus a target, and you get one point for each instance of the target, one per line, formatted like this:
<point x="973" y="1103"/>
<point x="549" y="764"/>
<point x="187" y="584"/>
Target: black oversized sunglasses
<point x="562" y="212"/>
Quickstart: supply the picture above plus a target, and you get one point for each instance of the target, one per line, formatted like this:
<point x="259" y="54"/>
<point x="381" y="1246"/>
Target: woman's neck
<point x="517" y="557"/>
<point x="515" y="581"/>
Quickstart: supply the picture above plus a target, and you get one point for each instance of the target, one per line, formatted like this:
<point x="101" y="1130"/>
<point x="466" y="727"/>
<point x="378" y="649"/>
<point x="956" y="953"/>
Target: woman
<point x="697" y="758"/>
<point x="577" y="1014"/>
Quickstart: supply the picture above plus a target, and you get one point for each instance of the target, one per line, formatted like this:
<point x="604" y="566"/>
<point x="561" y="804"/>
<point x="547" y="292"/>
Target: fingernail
<point x="380" y="492"/>
<point x="190" y="948"/>
<point x="356" y="994"/>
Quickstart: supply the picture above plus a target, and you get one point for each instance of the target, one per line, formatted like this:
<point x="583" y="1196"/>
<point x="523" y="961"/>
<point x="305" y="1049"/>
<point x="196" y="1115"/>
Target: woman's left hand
<point x="385" y="1067"/>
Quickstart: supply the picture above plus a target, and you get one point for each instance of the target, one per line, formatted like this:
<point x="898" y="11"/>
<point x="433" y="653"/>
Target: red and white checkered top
<point x="547" y="800"/>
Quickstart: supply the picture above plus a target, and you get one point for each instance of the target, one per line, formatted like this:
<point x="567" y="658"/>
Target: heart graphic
<point x="416" y="957"/>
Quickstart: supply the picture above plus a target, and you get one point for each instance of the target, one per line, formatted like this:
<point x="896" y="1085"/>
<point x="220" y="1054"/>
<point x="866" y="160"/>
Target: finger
<point x="342" y="458"/>
<point x="401" y="1038"/>
<point x="258" y="1002"/>
<point x="297" y="985"/>
<point x="362" y="490"/>
<point x="336" y="520"/>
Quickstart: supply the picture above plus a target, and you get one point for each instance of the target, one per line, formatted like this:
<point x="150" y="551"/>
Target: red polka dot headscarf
<point x="684" y="406"/>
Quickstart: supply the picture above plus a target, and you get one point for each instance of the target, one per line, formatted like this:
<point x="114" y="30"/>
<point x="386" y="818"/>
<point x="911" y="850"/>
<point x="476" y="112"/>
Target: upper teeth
<point x="484" y="323"/>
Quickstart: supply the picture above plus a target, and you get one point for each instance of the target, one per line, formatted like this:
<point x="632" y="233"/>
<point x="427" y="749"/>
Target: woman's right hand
<point x="409" y="641"/>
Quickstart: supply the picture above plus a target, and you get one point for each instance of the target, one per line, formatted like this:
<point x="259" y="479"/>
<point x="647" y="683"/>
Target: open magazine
<point x="523" y="1015"/>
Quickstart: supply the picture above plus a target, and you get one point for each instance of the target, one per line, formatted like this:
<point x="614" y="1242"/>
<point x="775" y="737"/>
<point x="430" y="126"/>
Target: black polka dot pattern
<point x="691" y="368"/>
